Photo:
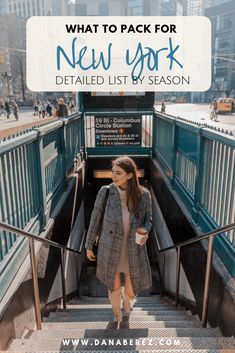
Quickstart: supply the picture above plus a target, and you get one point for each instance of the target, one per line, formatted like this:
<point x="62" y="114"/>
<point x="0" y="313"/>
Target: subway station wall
<point x="193" y="259"/>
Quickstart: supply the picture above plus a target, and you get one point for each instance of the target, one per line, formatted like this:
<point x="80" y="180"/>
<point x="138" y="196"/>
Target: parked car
<point x="181" y="100"/>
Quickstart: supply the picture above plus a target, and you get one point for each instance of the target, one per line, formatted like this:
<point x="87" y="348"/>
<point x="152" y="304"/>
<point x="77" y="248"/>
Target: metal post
<point x="74" y="200"/>
<point x="64" y="145"/>
<point x="77" y="277"/>
<point x="41" y="177"/>
<point x="63" y="278"/>
<point x="8" y="78"/>
<point x="207" y="281"/>
<point x="177" y="286"/>
<point x="35" y="285"/>
<point x="174" y="151"/>
<point x="163" y="276"/>
<point x="199" y="175"/>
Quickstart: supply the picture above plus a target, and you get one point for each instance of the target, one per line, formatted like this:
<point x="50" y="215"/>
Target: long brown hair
<point x="133" y="186"/>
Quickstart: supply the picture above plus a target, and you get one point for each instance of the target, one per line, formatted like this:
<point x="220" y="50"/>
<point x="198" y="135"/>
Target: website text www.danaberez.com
<point x="121" y="342"/>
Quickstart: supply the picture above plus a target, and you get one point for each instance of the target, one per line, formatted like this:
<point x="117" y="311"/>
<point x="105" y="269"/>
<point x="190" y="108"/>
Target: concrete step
<point x="83" y="308"/>
<point x="109" y="306"/>
<point x="140" y="324"/>
<point x="136" y="305"/>
<point x="151" y="344"/>
<point x="165" y="316"/>
<point x="132" y="350"/>
<point x="105" y="350"/>
<point x="134" y="311"/>
<point x="126" y="333"/>
<point x="104" y="300"/>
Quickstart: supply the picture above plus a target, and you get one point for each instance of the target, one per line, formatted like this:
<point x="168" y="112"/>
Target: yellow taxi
<point x="225" y="105"/>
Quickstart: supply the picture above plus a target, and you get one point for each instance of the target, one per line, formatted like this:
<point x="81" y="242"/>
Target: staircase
<point x="154" y="325"/>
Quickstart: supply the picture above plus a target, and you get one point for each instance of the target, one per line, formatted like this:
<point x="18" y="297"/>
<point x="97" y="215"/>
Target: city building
<point x="29" y="8"/>
<point x="6" y="89"/>
<point x="100" y="8"/>
<point x="173" y="7"/>
<point x="3" y="7"/>
<point x="135" y="7"/>
<point x="197" y="7"/>
<point x="151" y="7"/>
<point x="13" y="35"/>
<point x="116" y="7"/>
<point x="216" y="2"/>
<point x="223" y="49"/>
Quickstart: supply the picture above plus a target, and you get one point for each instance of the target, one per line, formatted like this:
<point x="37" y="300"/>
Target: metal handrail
<point x="62" y="248"/>
<point x="210" y="236"/>
<point x="212" y="233"/>
<point x="18" y="231"/>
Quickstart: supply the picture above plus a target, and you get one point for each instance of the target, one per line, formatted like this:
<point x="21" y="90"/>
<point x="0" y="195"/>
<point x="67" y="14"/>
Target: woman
<point x="128" y="207"/>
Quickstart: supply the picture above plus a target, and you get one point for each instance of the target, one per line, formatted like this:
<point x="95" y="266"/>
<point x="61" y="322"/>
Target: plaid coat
<point x="110" y="242"/>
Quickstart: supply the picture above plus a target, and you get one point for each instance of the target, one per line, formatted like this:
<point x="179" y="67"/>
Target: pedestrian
<point x="163" y="107"/>
<point x="35" y="107"/>
<point x="128" y="210"/>
<point x="39" y="109"/>
<point x="49" y="108"/>
<point x="61" y="109"/>
<point x="214" y="112"/>
<point x="214" y="104"/>
<point x="2" y="110"/>
<point x="43" y="109"/>
<point x="72" y="107"/>
<point x="15" y="110"/>
<point x="7" y="109"/>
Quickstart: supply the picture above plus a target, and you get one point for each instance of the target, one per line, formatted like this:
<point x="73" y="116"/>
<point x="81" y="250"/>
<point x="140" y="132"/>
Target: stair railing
<point x="32" y="238"/>
<point x="210" y="236"/>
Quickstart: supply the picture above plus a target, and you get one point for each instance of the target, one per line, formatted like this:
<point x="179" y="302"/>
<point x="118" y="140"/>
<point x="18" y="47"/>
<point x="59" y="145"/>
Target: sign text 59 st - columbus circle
<point x="116" y="131"/>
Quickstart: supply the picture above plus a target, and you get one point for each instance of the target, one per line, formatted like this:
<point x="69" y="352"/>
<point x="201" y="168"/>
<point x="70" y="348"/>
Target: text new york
<point x="143" y="57"/>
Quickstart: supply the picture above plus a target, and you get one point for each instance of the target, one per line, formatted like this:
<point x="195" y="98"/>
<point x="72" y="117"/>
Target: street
<point x="200" y="113"/>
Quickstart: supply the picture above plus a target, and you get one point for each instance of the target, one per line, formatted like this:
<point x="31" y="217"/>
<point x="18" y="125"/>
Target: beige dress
<point x="123" y="265"/>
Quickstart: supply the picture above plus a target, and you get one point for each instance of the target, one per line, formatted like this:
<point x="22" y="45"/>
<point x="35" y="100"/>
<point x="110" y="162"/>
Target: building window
<point x="224" y="41"/>
<point x="38" y="7"/>
<point x="137" y="11"/>
<point x="33" y="9"/>
<point x="225" y="21"/>
<point x="103" y="9"/>
<point x="135" y="7"/>
<point x="179" y="9"/>
<point x="81" y="9"/>
<point x="28" y="8"/>
<point x="222" y="72"/>
<point x="217" y="19"/>
<point x="24" y="10"/>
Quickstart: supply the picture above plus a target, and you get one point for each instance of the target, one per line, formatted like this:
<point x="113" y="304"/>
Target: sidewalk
<point x="27" y="120"/>
<point x="200" y="113"/>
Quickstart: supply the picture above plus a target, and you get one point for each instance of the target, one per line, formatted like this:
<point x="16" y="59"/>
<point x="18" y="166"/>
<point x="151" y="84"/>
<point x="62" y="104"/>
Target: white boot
<point x="115" y="300"/>
<point x="127" y="306"/>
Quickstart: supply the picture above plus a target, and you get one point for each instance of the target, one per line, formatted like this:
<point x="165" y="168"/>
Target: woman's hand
<point x="90" y="255"/>
<point x="144" y="239"/>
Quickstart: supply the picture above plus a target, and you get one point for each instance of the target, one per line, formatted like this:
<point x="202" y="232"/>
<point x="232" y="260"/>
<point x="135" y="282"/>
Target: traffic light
<point x="1" y="57"/>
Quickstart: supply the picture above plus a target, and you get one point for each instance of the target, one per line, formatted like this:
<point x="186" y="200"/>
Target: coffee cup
<point x="140" y="234"/>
